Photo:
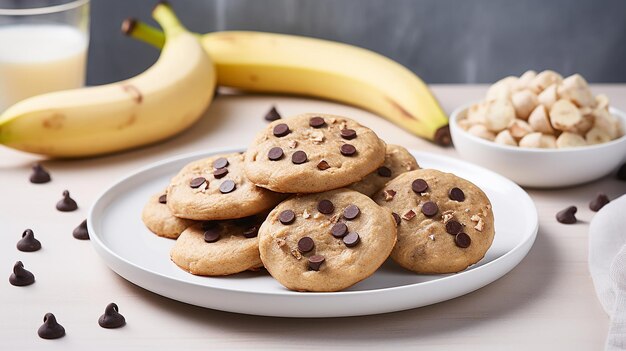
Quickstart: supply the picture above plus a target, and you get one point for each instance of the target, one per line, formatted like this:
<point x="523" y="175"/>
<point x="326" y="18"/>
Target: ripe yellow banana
<point x="162" y="101"/>
<point x="278" y="63"/>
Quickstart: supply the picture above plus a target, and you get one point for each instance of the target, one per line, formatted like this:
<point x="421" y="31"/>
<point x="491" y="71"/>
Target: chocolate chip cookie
<point x="214" y="248"/>
<point x="216" y="188"/>
<point x="159" y="219"/>
<point x="398" y="160"/>
<point x="313" y="153"/>
<point x="445" y="223"/>
<point x="327" y="241"/>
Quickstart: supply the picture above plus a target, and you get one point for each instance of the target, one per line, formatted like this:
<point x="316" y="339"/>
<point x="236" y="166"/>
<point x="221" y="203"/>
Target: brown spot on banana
<point x="254" y="78"/>
<point x="402" y="110"/>
<point x="55" y="121"/>
<point x="133" y="91"/>
<point x="128" y="122"/>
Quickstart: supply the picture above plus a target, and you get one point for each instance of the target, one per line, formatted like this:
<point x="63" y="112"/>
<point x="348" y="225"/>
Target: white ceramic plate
<point x="133" y="252"/>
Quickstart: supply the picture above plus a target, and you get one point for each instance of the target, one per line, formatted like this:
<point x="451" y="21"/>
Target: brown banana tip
<point x="442" y="136"/>
<point x="129" y="25"/>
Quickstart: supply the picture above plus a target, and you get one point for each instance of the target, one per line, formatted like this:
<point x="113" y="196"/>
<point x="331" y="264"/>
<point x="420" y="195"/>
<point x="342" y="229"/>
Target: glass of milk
<point x="43" y="47"/>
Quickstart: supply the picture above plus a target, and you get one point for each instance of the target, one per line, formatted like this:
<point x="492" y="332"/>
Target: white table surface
<point x="546" y="303"/>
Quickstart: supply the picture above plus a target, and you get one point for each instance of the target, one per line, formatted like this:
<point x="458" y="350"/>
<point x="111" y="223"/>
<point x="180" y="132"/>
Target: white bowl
<point x="541" y="168"/>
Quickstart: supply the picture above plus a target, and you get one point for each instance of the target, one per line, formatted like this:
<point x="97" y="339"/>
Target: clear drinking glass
<point x="43" y="47"/>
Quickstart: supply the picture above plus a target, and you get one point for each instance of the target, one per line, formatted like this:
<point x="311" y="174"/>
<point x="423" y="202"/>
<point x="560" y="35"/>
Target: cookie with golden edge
<point x="159" y="219"/>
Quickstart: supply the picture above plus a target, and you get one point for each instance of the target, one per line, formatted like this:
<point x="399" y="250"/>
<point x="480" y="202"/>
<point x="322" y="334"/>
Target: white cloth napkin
<point x="607" y="264"/>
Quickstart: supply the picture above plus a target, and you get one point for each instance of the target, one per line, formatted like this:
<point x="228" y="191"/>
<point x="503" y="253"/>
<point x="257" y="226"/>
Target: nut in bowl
<point x="541" y="130"/>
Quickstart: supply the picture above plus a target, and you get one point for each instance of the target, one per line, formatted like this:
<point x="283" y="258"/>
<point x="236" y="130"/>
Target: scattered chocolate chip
<point x="599" y="202"/>
<point x="39" y="175"/>
<point x="347" y="150"/>
<point x="315" y="262"/>
<point x="317" y="122"/>
<point x="20" y="276"/>
<point x="430" y="209"/>
<point x="28" y="243"/>
<point x="339" y="230"/>
<point x="384" y="172"/>
<point x="351" y="239"/>
<point x="348" y="134"/>
<point x="197" y="182"/>
<point x="81" y="232"/>
<point x="111" y="317"/>
<point x="251" y="232"/>
<point x="305" y="244"/>
<point x="67" y="204"/>
<point x="287" y="217"/>
<point x="280" y="130"/>
<point x="419" y="186"/>
<point x="272" y="114"/>
<point x="397" y="218"/>
<point x="456" y="194"/>
<point x="462" y="240"/>
<point x="621" y="172"/>
<point x="220" y="173"/>
<point x="220" y="163"/>
<point x="567" y="216"/>
<point x="50" y="329"/>
<point x="275" y="154"/>
<point x="227" y="186"/>
<point x="212" y="234"/>
<point x="298" y="157"/>
<point x="163" y="199"/>
<point x="323" y="165"/>
<point x="453" y="227"/>
<point x="351" y="212"/>
<point x="325" y="207"/>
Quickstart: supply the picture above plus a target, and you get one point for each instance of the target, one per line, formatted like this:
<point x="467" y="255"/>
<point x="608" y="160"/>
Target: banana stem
<point x="144" y="32"/>
<point x="166" y="17"/>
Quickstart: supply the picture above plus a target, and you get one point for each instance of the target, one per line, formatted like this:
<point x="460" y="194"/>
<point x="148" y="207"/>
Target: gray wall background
<point x="444" y="41"/>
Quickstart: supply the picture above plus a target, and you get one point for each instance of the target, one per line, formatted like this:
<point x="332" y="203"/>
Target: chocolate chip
<point x="39" y="175"/>
<point x="567" y="216"/>
<point x="325" y="207"/>
<point x="339" y="230"/>
<point x="351" y="212"/>
<point x="621" y="172"/>
<point x="212" y="234"/>
<point x="409" y="215"/>
<point x="397" y="218"/>
<point x="384" y="172"/>
<point x="197" y="182"/>
<point x="430" y="209"/>
<point x="111" y="317"/>
<point x="348" y="134"/>
<point x="453" y="227"/>
<point x="599" y="202"/>
<point x="315" y="262"/>
<point x="280" y="130"/>
<point x="419" y="186"/>
<point x="456" y="194"/>
<point x="352" y="239"/>
<point x="220" y="163"/>
<point x="305" y="244"/>
<point x="227" y="186"/>
<point x="287" y="217"/>
<point x="275" y="154"/>
<point x="81" y="232"/>
<point x="298" y="157"/>
<point x="323" y="165"/>
<point x="251" y="232"/>
<point x="317" y="122"/>
<point x="272" y="114"/>
<point x="67" y="204"/>
<point x="20" y="276"/>
<point x="462" y="240"/>
<point x="347" y="150"/>
<point x="163" y="199"/>
<point x="50" y="329"/>
<point x="28" y="243"/>
<point x="220" y="173"/>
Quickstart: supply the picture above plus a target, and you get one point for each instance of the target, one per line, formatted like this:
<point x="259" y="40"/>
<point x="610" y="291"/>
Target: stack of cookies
<point x="321" y="202"/>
